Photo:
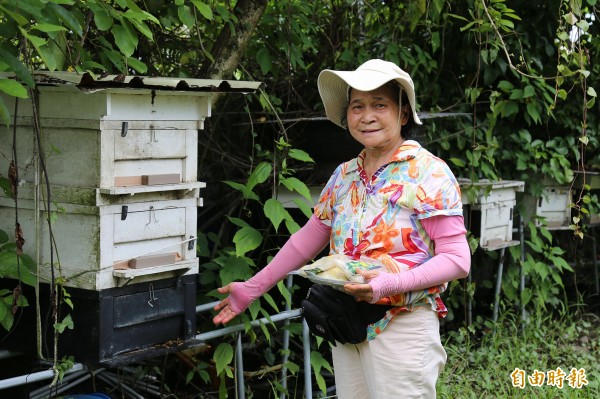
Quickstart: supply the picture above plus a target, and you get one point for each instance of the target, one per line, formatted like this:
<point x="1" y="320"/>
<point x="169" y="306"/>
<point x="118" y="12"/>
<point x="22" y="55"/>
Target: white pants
<point x="402" y="362"/>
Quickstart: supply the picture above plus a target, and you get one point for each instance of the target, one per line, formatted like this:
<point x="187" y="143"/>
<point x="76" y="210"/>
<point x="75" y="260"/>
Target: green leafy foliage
<point x="517" y="77"/>
<point x="482" y="363"/>
<point x="19" y="268"/>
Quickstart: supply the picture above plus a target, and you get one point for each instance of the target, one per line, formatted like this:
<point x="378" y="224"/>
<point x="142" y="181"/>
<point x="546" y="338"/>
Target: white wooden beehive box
<point x="489" y="209"/>
<point x="91" y="142"/>
<point x="553" y="205"/>
<point x="91" y="240"/>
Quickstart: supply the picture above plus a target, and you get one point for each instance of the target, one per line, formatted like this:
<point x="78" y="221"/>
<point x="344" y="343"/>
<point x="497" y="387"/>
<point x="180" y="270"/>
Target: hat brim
<point x="333" y="87"/>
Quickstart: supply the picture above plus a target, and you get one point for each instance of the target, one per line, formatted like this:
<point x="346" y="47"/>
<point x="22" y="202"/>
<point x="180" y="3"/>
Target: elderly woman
<point x="395" y="203"/>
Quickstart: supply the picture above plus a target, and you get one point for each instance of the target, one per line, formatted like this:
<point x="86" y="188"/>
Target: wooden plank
<point x="165" y="178"/>
<point x="126" y="181"/>
<point x="153" y="260"/>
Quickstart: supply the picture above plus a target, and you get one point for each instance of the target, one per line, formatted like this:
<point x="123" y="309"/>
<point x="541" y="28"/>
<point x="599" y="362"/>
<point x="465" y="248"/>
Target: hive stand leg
<point x="522" y="273"/>
<point x="595" y="260"/>
<point x="240" y="368"/>
<point x="498" y="285"/>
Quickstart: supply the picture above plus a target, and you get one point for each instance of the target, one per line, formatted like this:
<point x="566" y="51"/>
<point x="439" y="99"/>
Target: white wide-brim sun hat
<point x="334" y="86"/>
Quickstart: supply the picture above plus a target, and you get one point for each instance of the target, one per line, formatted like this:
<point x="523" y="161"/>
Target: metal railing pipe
<point x="33" y="377"/>
<point x="255" y="323"/>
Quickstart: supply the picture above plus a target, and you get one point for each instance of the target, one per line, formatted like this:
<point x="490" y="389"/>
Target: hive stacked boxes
<point x="96" y="153"/>
<point x="122" y="168"/>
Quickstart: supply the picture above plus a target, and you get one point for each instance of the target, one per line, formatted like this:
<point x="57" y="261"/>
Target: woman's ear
<point x="405" y="114"/>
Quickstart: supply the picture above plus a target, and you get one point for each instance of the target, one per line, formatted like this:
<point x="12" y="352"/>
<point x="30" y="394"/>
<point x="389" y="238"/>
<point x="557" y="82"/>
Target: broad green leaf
<point x="529" y="91"/>
<point x="561" y="263"/>
<point x="4" y="116"/>
<point x="247" y="192"/>
<point x="116" y="58"/>
<point x="136" y="64"/>
<point x="123" y="39"/>
<point x="253" y="309"/>
<point x="263" y="58"/>
<point x="19" y="19"/>
<point x="291" y="225"/>
<point x="265" y="330"/>
<point x="435" y="41"/>
<point x="505" y="86"/>
<point x="533" y="109"/>
<point x="583" y="25"/>
<point x="457" y="17"/>
<point x="507" y="24"/>
<point x="269" y="299"/>
<point x="140" y="25"/>
<point x="591" y="92"/>
<point x="89" y="65"/>
<point x="292" y="367"/>
<point x="510" y="108"/>
<point x="204" y="9"/>
<point x="185" y="15"/>
<point x="591" y="103"/>
<point x="235" y="268"/>
<point x="275" y="211"/>
<point x="35" y="40"/>
<point x="102" y="18"/>
<point x="3" y="237"/>
<point x="562" y="94"/>
<point x="9" y="268"/>
<point x="223" y="356"/>
<point x="13" y="88"/>
<point x="570" y="18"/>
<point x="67" y="17"/>
<point x="260" y="174"/>
<point x="17" y="67"/>
<point x="438" y="6"/>
<point x="294" y="184"/>
<point x="526" y="295"/>
<point x="246" y="239"/>
<point x="3" y="309"/>
<point x="48" y="56"/>
<point x="56" y="48"/>
<point x="48" y="28"/>
<point x="306" y="209"/>
<point x="66" y="323"/>
<point x="317" y="362"/>
<point x="133" y="7"/>
<point x="541" y="269"/>
<point x="8" y="319"/>
<point x="300" y="155"/>
<point x="284" y="291"/>
<point x="4" y="182"/>
<point x="516" y="94"/>
<point x="564" y="36"/>
<point x="458" y="162"/>
<point x="238" y="222"/>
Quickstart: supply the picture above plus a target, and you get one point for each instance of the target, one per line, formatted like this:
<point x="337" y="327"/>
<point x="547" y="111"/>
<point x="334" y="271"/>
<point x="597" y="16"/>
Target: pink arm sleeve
<point x="301" y="247"/>
<point x="452" y="260"/>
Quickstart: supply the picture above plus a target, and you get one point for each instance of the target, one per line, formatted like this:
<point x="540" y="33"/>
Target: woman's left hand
<point x="362" y="292"/>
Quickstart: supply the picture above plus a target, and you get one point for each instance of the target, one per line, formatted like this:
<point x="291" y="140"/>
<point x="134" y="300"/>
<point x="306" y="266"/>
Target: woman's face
<point x="373" y="117"/>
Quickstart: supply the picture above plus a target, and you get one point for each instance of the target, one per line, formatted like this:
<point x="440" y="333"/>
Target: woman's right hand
<point x="226" y="313"/>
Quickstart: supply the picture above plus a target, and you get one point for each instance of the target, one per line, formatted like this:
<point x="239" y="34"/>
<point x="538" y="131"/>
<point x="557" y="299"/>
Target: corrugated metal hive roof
<point x="88" y="82"/>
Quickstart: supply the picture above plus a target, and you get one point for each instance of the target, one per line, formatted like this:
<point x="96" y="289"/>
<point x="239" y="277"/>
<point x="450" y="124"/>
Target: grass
<point x="481" y="359"/>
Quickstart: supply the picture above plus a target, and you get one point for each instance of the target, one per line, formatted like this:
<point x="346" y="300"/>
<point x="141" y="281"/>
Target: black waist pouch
<point x="337" y="316"/>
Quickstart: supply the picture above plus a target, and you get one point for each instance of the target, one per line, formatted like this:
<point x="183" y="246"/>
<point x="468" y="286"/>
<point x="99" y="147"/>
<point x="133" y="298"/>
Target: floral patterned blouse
<point x="380" y="218"/>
